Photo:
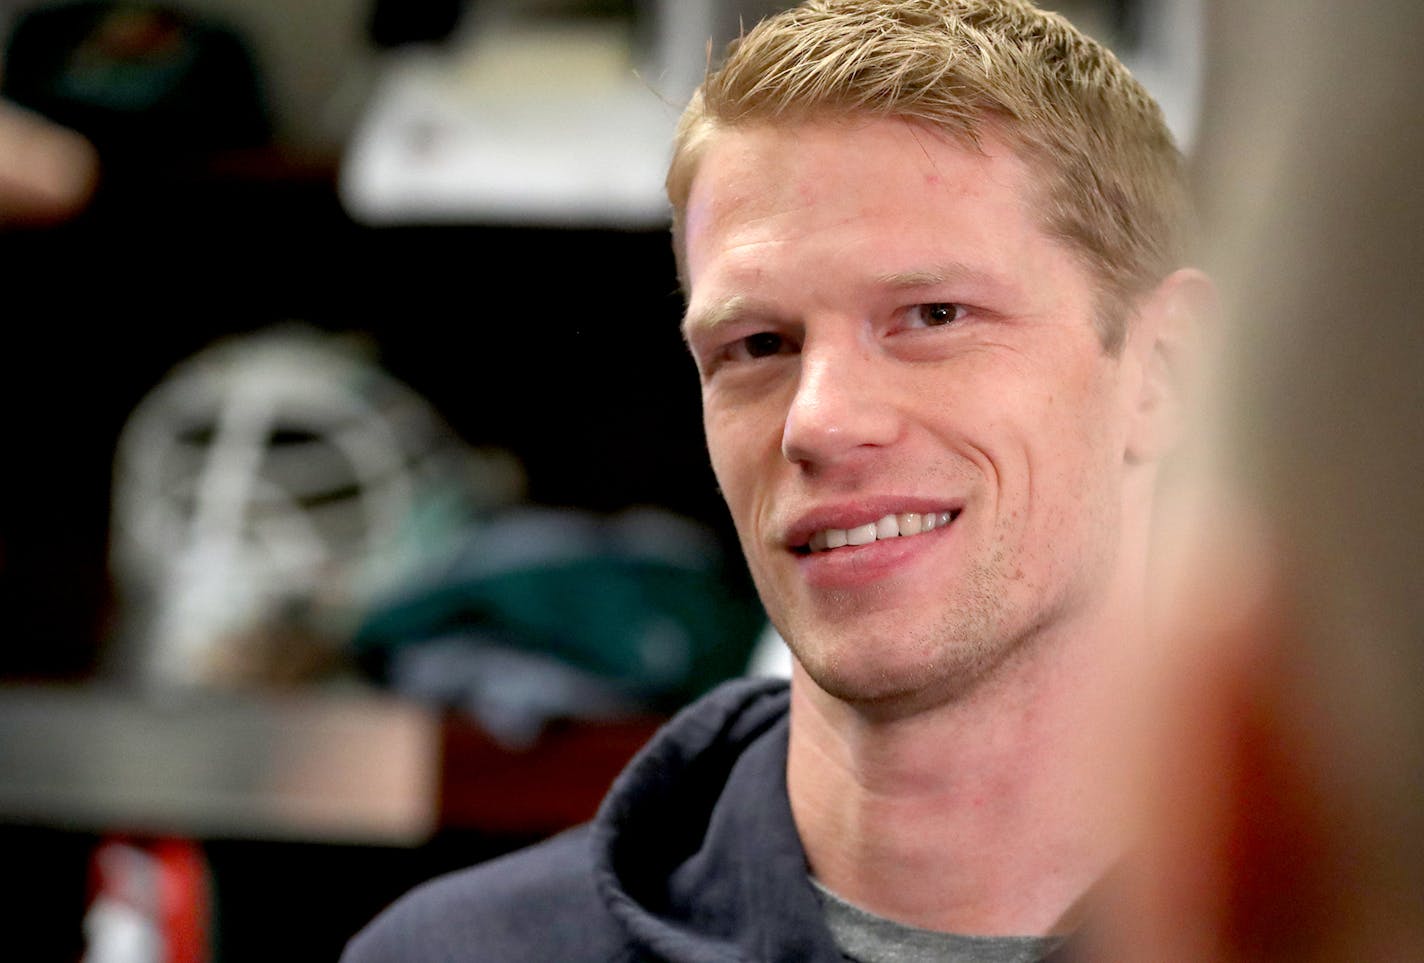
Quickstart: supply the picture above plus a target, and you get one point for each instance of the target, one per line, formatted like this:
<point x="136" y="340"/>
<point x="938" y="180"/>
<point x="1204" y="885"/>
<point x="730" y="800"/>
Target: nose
<point x="843" y="406"/>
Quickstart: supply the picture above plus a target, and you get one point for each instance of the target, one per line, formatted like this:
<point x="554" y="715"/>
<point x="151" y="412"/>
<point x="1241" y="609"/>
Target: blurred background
<point x="356" y="522"/>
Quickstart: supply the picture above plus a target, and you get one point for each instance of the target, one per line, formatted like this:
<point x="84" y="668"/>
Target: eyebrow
<point x="717" y="313"/>
<point x="940" y="274"/>
<point x="734" y="306"/>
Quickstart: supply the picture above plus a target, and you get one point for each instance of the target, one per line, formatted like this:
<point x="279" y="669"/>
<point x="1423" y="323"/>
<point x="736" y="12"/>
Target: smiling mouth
<point x="902" y="525"/>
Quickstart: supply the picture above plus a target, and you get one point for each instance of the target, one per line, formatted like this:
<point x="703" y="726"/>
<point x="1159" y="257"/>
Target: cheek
<point x="732" y="454"/>
<point x="1083" y="419"/>
<point x="1053" y="446"/>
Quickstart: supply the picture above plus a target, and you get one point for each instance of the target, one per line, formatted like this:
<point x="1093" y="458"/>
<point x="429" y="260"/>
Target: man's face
<point x="888" y="341"/>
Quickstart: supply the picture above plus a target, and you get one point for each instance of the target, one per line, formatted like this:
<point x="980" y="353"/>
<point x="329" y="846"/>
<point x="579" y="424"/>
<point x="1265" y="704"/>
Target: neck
<point x="985" y="815"/>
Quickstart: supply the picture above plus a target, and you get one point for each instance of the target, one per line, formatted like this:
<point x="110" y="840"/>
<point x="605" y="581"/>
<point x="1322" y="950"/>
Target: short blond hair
<point x="1112" y="176"/>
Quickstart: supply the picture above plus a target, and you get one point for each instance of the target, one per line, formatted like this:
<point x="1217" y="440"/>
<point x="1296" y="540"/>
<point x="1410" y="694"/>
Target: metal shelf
<point x="310" y="766"/>
<point x="332" y="768"/>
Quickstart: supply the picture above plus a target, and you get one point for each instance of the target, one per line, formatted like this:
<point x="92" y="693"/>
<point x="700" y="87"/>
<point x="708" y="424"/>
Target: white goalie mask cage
<point x="273" y="480"/>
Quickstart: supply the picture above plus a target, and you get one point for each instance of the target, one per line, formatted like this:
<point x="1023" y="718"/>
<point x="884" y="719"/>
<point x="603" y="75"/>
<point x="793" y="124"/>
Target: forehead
<point x="897" y="192"/>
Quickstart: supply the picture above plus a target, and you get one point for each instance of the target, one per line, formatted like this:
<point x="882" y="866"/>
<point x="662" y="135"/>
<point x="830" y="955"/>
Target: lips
<point x="830" y="529"/>
<point x="898" y="525"/>
<point x="881" y="542"/>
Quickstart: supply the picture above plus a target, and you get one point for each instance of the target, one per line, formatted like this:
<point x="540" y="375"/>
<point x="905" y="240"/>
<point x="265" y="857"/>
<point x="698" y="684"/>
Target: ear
<point x="1166" y="343"/>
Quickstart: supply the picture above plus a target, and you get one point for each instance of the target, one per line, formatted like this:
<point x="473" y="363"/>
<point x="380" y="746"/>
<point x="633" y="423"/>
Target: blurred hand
<point x="47" y="172"/>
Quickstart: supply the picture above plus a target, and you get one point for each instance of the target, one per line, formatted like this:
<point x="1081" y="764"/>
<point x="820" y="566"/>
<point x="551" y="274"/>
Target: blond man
<point x="932" y="257"/>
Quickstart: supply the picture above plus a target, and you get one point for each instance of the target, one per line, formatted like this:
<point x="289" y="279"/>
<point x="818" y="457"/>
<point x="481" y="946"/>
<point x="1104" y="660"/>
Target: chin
<point x="898" y="678"/>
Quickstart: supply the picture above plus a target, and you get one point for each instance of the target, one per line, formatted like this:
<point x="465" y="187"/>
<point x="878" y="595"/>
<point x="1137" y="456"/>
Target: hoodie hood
<point x="693" y="858"/>
<point x="695" y="851"/>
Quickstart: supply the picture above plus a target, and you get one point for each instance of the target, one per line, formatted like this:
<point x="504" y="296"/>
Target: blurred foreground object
<point x="264" y="492"/>
<point x="47" y="172"/>
<point x="1285" y="783"/>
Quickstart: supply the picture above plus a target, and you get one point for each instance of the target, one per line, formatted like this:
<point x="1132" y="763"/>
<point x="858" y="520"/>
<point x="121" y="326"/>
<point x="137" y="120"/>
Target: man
<point x="930" y="249"/>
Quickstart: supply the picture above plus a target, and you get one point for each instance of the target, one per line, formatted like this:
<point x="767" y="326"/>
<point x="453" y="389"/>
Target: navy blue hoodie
<point x="693" y="858"/>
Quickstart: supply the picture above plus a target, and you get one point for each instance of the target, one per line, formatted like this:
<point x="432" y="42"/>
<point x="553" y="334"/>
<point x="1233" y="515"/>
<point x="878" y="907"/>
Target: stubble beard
<point x="939" y="662"/>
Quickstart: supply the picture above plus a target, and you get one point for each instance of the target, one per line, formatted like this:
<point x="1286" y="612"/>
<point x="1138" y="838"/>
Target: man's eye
<point x="763" y="344"/>
<point x="938" y="313"/>
<point x="747" y="348"/>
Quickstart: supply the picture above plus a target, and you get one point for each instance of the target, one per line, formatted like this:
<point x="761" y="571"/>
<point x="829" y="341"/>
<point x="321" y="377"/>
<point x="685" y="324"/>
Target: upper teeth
<point x="891" y="526"/>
